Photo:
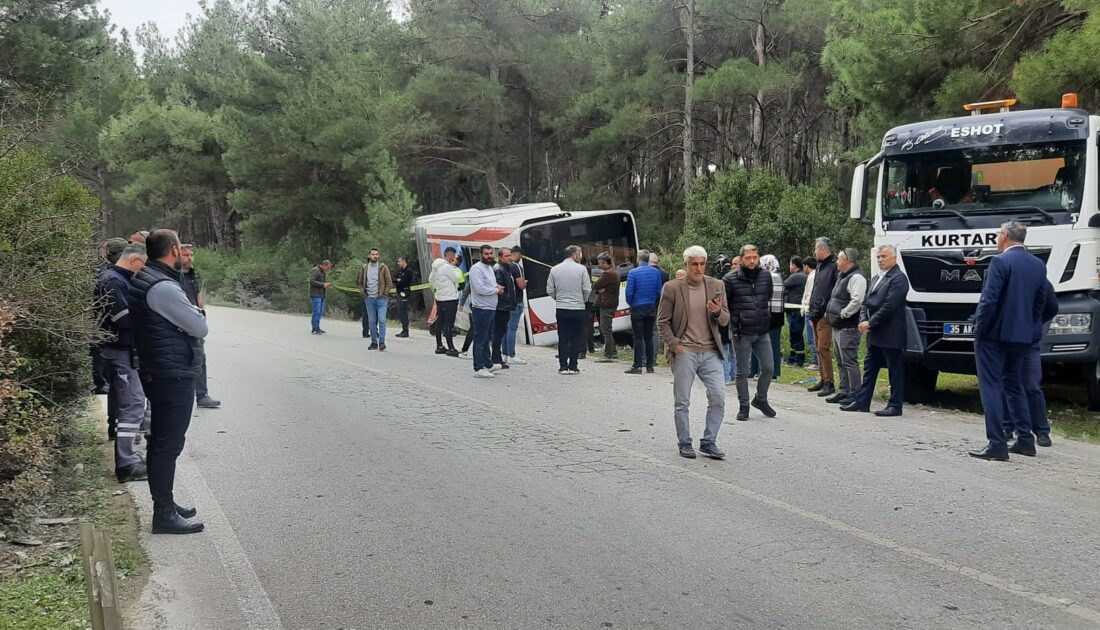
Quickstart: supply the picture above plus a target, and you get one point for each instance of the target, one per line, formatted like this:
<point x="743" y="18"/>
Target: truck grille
<point x="953" y="270"/>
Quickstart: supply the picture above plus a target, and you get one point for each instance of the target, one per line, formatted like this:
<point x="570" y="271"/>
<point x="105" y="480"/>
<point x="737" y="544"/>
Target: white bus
<point x="543" y="231"/>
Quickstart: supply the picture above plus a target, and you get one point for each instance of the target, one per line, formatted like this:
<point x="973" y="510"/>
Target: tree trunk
<point x="759" y="43"/>
<point x="689" y="87"/>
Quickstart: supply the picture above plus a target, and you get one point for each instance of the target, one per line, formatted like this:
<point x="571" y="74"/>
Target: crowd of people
<point x="722" y="328"/>
<point x="152" y="365"/>
<point x="722" y="322"/>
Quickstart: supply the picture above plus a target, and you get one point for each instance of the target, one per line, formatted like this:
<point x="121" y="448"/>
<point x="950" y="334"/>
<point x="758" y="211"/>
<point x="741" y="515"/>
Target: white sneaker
<point x="517" y="361"/>
<point x="483" y="373"/>
<point x="464" y="355"/>
<point x="495" y="368"/>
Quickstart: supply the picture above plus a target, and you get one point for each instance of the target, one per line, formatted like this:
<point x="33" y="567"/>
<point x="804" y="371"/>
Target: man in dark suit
<point x="1004" y="329"/>
<point x="883" y="319"/>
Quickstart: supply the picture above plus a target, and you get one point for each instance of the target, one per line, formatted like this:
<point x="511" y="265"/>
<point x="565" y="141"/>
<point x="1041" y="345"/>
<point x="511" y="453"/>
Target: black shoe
<point x="452" y="353"/>
<point x="687" y="451"/>
<point x="372" y="346"/>
<point x="828" y="390"/>
<point x="102" y="390"/>
<point x="1022" y="449"/>
<point x="321" y="332"/>
<point x="989" y="454"/>
<point x="764" y="407"/>
<point x="440" y="350"/>
<point x="403" y="334"/>
<point x="712" y="451"/>
<point x="743" y="413"/>
<point x="842" y="399"/>
<point x="855" y="406"/>
<point x="888" y="412"/>
<point x="816" y="388"/>
<point x="168" y="521"/>
<point x="112" y="432"/>
<point x="206" y="402"/>
<point x="135" y="472"/>
<point x="634" y="370"/>
<point x="649" y="370"/>
<point x="1043" y="440"/>
<point x="381" y="347"/>
<point x="186" y="512"/>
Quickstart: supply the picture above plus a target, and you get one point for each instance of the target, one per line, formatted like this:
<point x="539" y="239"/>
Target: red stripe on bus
<point x="481" y="235"/>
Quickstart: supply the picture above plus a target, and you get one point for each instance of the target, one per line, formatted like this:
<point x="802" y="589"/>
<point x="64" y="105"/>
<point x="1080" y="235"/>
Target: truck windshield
<point x="1019" y="179"/>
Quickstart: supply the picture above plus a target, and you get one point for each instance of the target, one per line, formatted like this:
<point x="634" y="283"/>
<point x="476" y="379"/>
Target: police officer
<point x="192" y="286"/>
<point x="113" y="294"/>
<point x="167" y="333"/>
<point x="402" y="283"/>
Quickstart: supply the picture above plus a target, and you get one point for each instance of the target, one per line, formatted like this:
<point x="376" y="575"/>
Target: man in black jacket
<point x="167" y="333"/>
<point x="824" y="282"/>
<point x="402" y="283"/>
<point x="113" y="292"/>
<point x="883" y="319"/>
<point x="193" y="287"/>
<point x="749" y="291"/>
<point x="793" y="288"/>
<point x="506" y="273"/>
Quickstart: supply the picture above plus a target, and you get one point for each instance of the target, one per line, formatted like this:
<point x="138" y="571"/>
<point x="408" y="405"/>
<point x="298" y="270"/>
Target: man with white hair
<point x="691" y="311"/>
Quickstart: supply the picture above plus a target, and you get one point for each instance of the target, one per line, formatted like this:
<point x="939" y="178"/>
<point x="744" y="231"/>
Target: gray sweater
<point x="570" y="285"/>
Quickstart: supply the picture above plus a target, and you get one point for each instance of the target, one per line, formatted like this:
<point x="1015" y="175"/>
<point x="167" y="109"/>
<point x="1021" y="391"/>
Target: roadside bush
<point x="46" y="323"/>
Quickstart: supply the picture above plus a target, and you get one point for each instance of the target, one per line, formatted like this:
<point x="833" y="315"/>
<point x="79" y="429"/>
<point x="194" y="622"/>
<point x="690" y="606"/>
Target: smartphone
<point x="716" y="294"/>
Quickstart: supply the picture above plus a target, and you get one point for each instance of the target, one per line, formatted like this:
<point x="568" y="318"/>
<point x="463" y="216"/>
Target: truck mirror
<point x="858" y="204"/>
<point x="1094" y="220"/>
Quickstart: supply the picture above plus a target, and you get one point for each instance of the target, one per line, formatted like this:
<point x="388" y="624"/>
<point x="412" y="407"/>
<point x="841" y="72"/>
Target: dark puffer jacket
<point x="165" y="351"/>
<point x="749" y="295"/>
<point x="824" y="283"/>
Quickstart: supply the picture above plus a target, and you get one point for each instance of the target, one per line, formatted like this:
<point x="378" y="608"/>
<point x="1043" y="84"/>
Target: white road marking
<point x="948" y="566"/>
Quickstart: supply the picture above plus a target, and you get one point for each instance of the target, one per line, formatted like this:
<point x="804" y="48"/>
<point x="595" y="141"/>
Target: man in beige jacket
<point x="688" y="318"/>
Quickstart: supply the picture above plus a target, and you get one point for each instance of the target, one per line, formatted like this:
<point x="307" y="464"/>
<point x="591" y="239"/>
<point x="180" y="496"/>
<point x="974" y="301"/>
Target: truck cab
<point x="939" y="191"/>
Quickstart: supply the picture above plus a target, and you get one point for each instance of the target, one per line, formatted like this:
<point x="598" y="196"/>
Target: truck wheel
<point x="1092" y="385"/>
<point x="920" y="383"/>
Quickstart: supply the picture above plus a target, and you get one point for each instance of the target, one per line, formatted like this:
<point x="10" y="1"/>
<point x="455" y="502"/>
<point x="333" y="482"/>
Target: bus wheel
<point x="920" y="383"/>
<point x="1092" y="385"/>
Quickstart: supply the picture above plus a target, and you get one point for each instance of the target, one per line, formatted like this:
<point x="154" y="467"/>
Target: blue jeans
<point x="810" y="340"/>
<point x="513" y="329"/>
<point x="483" y="319"/>
<point x="729" y="365"/>
<point x="318" y="309"/>
<point x="376" y="312"/>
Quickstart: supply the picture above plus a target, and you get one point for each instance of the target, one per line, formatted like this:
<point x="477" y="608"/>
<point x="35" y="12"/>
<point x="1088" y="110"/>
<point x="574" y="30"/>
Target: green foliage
<point x="732" y="209"/>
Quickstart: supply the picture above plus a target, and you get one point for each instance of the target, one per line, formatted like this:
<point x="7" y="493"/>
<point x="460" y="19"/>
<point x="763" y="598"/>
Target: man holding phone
<point x="691" y="311"/>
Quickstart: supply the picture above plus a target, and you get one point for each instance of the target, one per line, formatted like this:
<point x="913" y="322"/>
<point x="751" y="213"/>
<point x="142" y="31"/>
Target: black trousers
<point x="876" y="359"/>
<point x="570" y="337"/>
<point x="171" y="400"/>
<point x="500" y="328"/>
<point x="403" y="313"/>
<point x="445" y="311"/>
<point x="101" y="373"/>
<point x="589" y="332"/>
<point x="643" y="320"/>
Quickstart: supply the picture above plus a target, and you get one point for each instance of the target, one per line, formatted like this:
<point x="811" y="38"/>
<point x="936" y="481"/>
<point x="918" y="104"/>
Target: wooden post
<point x="99" y="578"/>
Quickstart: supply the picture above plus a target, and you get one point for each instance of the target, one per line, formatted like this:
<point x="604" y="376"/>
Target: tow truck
<point x="939" y="191"/>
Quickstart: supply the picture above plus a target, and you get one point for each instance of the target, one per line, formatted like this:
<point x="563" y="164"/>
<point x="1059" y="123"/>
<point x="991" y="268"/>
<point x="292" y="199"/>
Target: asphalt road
<point x="343" y="488"/>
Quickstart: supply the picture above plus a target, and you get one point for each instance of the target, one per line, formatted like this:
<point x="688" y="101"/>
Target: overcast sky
<point x="169" y="15"/>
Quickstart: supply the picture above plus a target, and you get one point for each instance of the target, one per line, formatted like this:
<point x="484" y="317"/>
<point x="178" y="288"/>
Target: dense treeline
<point x="321" y="125"/>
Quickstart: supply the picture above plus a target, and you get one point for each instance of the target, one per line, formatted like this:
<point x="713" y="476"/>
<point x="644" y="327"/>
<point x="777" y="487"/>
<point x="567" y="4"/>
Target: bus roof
<point x="505" y="217"/>
<point x="1020" y="127"/>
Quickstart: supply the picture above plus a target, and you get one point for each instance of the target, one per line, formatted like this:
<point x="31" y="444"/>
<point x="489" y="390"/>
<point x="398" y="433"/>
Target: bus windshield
<point x="544" y="245"/>
<point x="986" y="180"/>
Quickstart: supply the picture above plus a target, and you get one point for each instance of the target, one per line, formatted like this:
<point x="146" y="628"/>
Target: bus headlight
<point x="1071" y="324"/>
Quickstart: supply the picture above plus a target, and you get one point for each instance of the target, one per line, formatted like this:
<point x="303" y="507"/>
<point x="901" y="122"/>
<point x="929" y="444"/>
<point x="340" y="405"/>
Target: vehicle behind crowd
<point x="939" y="191"/>
<point x="542" y="231"/>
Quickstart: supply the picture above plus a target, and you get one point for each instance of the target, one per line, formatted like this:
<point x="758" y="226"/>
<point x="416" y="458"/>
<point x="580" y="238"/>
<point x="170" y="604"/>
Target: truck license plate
<point x="958" y="330"/>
